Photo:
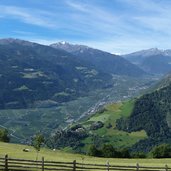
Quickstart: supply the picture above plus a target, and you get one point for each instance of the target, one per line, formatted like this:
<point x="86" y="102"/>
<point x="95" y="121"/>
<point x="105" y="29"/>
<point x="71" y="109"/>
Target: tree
<point x="124" y="153"/>
<point x="55" y="139"/>
<point x="138" y="155"/>
<point x="96" y="140"/>
<point x="109" y="151"/>
<point x="4" y="135"/>
<point x="93" y="151"/>
<point x="162" y="151"/>
<point x="37" y="142"/>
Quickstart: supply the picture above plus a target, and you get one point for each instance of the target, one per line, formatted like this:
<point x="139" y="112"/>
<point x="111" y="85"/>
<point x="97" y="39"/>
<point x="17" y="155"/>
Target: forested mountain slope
<point x="152" y="113"/>
<point x="34" y="75"/>
<point x="104" y="61"/>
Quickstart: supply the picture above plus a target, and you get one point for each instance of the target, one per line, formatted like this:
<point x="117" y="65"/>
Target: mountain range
<point x="152" y="61"/>
<point x="103" y="61"/>
<point x="45" y="87"/>
<point x="34" y="75"/>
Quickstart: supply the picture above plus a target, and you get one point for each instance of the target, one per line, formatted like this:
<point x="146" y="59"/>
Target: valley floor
<point x="16" y="151"/>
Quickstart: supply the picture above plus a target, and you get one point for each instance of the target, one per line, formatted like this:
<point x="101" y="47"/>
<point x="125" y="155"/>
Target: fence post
<point x="107" y="164"/>
<point x="166" y="167"/>
<point x="137" y="167"/>
<point x="6" y="162"/>
<point x="42" y="163"/>
<point x="74" y="165"/>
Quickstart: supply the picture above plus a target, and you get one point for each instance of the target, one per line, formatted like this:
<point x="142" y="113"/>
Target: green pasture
<point x="16" y="151"/>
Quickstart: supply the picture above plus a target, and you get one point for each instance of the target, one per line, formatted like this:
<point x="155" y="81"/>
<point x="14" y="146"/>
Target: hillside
<point x="152" y="61"/>
<point x="98" y="130"/>
<point x="34" y="75"/>
<point x="103" y="61"/>
<point x="152" y="114"/>
<point x="138" y="124"/>
<point x="163" y="82"/>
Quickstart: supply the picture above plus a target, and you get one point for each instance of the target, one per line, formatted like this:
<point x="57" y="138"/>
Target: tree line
<point x="108" y="151"/>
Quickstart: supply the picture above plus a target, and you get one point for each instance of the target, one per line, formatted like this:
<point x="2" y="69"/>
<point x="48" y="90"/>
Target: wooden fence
<point x="11" y="164"/>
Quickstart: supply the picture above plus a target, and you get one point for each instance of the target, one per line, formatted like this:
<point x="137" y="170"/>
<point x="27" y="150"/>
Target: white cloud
<point x="93" y="17"/>
<point x="144" y="23"/>
<point x="152" y="14"/>
<point x="26" y="15"/>
<point x="25" y="33"/>
<point x="79" y="7"/>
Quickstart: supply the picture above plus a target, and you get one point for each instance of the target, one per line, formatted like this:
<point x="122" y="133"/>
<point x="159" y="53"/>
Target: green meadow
<point x="16" y="151"/>
<point x="112" y="135"/>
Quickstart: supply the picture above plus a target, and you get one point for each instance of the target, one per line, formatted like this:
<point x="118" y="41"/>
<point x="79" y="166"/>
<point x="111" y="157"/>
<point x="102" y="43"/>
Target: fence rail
<point x="12" y="164"/>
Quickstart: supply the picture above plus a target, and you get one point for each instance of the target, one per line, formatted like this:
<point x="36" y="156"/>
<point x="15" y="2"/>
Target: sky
<point x="116" y="26"/>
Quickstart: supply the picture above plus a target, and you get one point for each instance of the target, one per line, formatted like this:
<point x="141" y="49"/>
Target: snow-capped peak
<point x="63" y="42"/>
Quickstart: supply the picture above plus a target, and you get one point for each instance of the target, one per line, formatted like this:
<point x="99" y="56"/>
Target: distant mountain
<point x="101" y="60"/>
<point x="153" y="60"/>
<point x="34" y="75"/>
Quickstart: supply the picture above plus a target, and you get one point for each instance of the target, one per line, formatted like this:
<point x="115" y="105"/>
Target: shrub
<point x="109" y="126"/>
<point x="124" y="153"/>
<point x="96" y="125"/>
<point x="93" y="151"/>
<point x="109" y="151"/>
<point x="161" y="151"/>
<point x="138" y="155"/>
<point x="4" y="135"/>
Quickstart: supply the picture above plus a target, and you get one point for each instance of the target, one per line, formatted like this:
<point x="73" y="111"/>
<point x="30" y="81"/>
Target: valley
<point x="138" y="124"/>
<point x="77" y="96"/>
<point x="46" y="88"/>
<point x="26" y="122"/>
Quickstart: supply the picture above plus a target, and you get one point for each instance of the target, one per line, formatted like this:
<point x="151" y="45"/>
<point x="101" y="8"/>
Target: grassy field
<point x="16" y="151"/>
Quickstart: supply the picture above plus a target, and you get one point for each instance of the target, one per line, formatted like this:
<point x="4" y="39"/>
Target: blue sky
<point x="117" y="26"/>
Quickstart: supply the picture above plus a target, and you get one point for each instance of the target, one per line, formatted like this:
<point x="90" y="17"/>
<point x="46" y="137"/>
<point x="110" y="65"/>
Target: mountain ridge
<point x="154" y="61"/>
<point x="30" y="66"/>
<point x="104" y="61"/>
